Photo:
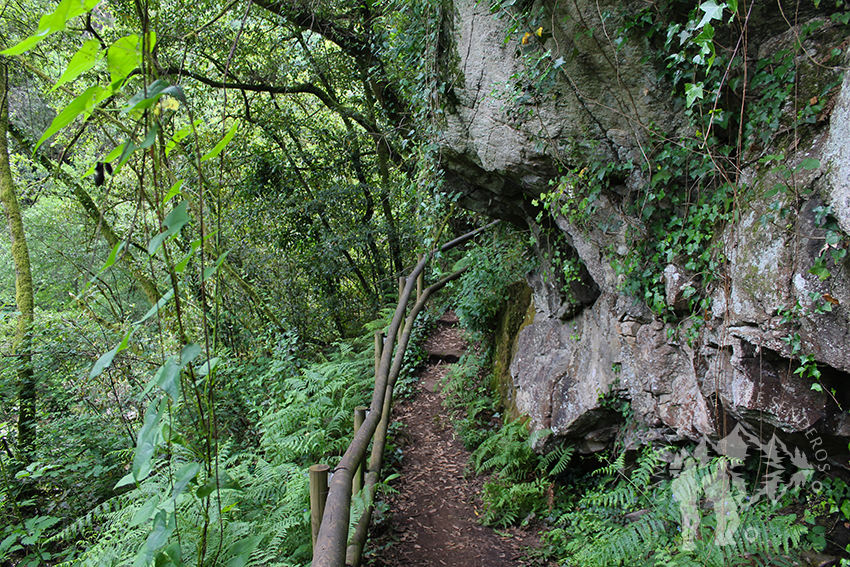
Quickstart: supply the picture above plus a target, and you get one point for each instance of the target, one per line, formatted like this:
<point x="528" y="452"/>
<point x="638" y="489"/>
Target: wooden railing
<point x="331" y="503"/>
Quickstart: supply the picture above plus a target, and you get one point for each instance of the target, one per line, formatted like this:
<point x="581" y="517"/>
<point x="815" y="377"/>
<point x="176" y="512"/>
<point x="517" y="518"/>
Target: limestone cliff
<point x="736" y="324"/>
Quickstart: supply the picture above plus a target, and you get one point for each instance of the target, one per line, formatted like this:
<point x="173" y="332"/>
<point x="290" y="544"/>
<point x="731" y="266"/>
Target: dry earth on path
<point x="434" y="516"/>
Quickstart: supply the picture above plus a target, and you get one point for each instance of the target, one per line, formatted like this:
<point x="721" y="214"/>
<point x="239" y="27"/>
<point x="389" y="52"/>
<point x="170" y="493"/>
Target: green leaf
<point x="155" y="309"/>
<point x="148" y="440"/>
<point x="83" y="104"/>
<point x="125" y="480"/>
<point x="179" y="135"/>
<point x="189" y="353"/>
<point x="168" y="378"/>
<point x="713" y="11"/>
<point x="113" y="256"/>
<point x="146" y="512"/>
<point x="820" y="271"/>
<point x="208" y="366"/>
<point x="174" y="222"/>
<point x="150" y="138"/>
<point x="175" y="554"/>
<point x="693" y="92"/>
<point x="220" y="146"/>
<point x="147" y="97"/>
<point x="83" y="60"/>
<point x="164" y="524"/>
<point x="125" y="56"/>
<point x="127" y="149"/>
<point x="225" y="482"/>
<point x="240" y="551"/>
<point x="208" y="272"/>
<point x="809" y="164"/>
<point x="52" y="23"/>
<point x="106" y="358"/>
<point x="175" y="190"/>
<point x="183" y="477"/>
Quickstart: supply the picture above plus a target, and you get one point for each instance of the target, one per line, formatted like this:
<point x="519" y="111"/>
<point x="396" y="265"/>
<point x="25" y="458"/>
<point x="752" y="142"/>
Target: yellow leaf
<point x="525" y="38"/>
<point x="540" y="31"/>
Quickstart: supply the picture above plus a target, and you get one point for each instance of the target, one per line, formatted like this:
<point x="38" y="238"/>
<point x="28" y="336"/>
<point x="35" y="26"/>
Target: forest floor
<point x="433" y="520"/>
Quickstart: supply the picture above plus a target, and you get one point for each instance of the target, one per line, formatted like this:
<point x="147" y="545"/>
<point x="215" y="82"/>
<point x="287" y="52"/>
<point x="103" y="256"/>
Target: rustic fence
<point x="330" y="503"/>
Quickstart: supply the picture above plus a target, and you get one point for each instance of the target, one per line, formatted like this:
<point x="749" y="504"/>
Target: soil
<point x="433" y="519"/>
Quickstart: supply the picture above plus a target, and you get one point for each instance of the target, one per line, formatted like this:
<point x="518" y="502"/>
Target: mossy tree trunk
<point x="23" y="287"/>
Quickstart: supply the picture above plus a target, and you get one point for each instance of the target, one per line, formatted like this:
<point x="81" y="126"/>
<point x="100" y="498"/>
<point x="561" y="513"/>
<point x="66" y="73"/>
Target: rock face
<point x="769" y="323"/>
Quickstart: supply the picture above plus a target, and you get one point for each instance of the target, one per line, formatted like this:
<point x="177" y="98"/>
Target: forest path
<point x="435" y="513"/>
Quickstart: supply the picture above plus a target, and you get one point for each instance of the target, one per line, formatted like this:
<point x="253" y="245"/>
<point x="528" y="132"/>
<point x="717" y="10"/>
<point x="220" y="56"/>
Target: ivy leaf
<point x="693" y="92"/>
<point x="820" y="271"/>
<point x="713" y="11"/>
<point x="83" y="60"/>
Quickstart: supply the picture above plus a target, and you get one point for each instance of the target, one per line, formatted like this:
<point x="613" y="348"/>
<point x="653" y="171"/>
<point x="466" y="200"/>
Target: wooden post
<point x="379" y="349"/>
<point x="402" y="282"/>
<point x="420" y="279"/>
<point x="359" y="418"/>
<point x="318" y="496"/>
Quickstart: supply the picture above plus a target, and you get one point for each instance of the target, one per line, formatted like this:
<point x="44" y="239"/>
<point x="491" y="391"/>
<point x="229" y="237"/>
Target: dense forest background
<point x="224" y="196"/>
<point x="209" y="208"/>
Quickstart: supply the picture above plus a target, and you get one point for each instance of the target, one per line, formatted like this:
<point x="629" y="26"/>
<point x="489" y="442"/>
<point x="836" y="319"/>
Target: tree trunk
<point x="22" y="345"/>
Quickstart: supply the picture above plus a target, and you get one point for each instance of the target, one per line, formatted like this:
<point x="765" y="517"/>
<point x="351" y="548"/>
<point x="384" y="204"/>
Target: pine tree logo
<point x="709" y="478"/>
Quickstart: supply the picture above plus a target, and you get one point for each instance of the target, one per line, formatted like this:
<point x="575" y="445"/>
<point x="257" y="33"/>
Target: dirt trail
<point x="435" y="514"/>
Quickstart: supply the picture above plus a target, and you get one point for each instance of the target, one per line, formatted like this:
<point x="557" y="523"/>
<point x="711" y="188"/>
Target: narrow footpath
<point x="434" y="516"/>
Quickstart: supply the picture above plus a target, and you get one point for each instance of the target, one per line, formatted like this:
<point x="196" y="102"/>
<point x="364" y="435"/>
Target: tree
<point x="23" y="286"/>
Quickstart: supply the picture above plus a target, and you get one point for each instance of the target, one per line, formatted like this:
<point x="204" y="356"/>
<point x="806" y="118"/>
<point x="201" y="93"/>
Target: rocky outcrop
<point x="595" y="357"/>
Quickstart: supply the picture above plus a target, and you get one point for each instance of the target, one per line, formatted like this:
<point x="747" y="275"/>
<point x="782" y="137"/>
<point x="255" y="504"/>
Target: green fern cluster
<point x="522" y="480"/>
<point x="259" y="507"/>
<point x="635" y="519"/>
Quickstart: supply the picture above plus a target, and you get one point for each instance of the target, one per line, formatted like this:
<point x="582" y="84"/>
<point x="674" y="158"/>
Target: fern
<point x="598" y="533"/>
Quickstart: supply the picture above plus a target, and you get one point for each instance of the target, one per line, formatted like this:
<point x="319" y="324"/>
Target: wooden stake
<point x="420" y="279"/>
<point x="359" y="418"/>
<point x="402" y="282"/>
<point x="379" y="349"/>
<point x="318" y="496"/>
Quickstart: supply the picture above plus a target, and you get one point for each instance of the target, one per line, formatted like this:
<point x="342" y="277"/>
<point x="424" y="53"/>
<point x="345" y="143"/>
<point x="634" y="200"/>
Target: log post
<point x="318" y="496"/>
<point x="359" y="418"/>
<point x="420" y="279"/>
<point x="379" y="348"/>
<point x="402" y="283"/>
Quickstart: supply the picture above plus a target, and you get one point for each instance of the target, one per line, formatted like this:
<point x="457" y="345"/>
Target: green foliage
<point x="521" y="484"/>
<point x="494" y="264"/>
<point x="634" y="516"/>
<point x="683" y="190"/>
<point x="259" y="498"/>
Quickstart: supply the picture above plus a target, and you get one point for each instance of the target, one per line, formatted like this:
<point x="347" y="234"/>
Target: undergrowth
<point x="639" y="515"/>
<point x="521" y="484"/>
<point x="261" y="492"/>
